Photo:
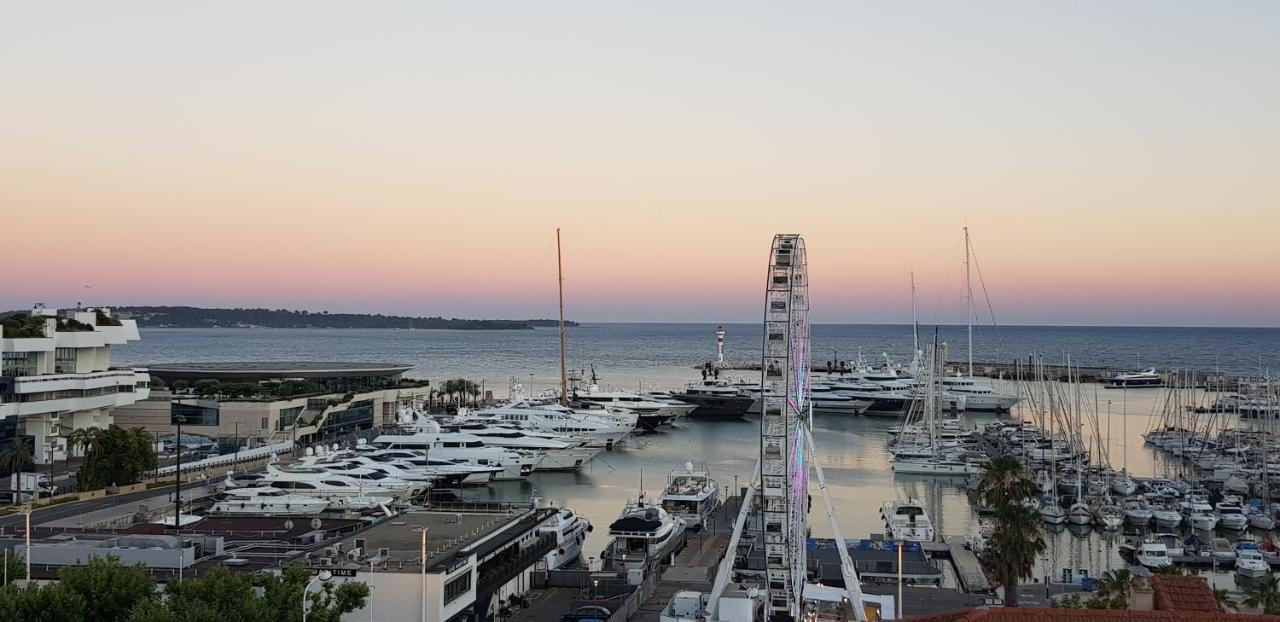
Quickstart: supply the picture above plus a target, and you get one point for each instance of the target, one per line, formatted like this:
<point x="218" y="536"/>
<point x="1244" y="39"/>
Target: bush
<point x="105" y="320"/>
<point x="68" y="325"/>
<point x="23" y="326"/>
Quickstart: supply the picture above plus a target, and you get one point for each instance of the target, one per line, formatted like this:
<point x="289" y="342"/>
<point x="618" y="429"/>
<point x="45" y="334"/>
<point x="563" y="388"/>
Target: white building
<point x="56" y="375"/>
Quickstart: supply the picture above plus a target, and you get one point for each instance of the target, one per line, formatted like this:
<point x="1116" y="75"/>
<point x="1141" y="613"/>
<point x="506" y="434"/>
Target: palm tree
<point x="14" y="461"/>
<point x="1014" y="546"/>
<point x="1265" y="594"/>
<point x="1225" y="602"/>
<point x="1004" y="481"/>
<point x="1114" y="587"/>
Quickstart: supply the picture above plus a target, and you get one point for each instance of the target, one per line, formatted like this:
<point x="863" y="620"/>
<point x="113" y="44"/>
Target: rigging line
<point x="985" y="295"/>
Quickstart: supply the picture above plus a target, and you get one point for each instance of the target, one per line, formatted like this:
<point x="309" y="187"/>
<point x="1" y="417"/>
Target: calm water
<point x="852" y="449"/>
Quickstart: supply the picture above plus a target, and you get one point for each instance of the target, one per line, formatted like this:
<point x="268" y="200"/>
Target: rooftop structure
<point x="1031" y="614"/>
<point x="1174" y="593"/>
<point x="336" y="376"/>
<point x="56" y="373"/>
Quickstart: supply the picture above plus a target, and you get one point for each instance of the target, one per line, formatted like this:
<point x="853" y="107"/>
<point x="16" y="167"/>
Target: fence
<point x="248" y="455"/>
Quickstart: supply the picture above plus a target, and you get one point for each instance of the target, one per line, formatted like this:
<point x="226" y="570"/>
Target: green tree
<point x="1264" y="593"/>
<point x="117" y="456"/>
<point x="17" y="460"/>
<point x="13" y="570"/>
<point x="1016" y="542"/>
<point x="112" y="588"/>
<point x="1177" y="571"/>
<point x="1113" y="589"/>
<point x="1004" y="481"/>
<point x="283" y="594"/>
<point x="1225" y="601"/>
<point x="50" y="603"/>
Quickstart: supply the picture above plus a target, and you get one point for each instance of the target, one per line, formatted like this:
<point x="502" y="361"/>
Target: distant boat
<point x="1148" y="378"/>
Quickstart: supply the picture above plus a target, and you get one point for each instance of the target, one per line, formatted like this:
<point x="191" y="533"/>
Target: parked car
<point x="588" y="613"/>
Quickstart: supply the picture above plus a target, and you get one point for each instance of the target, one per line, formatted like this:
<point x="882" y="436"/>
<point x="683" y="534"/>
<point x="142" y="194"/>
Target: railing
<point x="248" y="455"/>
<point x="497" y="574"/>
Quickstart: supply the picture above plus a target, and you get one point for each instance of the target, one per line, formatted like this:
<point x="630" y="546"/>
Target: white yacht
<point x="691" y="495"/>
<point x="570" y="530"/>
<point x="266" y="501"/>
<point x="1166" y="515"/>
<point x="1231" y="515"/>
<point x="715" y="399"/>
<point x="907" y="521"/>
<point x="1123" y="485"/>
<point x="828" y="402"/>
<point x="1148" y="378"/>
<point x="339" y="490"/>
<point x="1198" y="513"/>
<point x="553" y="452"/>
<point x="976" y="396"/>
<point x="472" y="473"/>
<point x="1109" y="515"/>
<point x="602" y="432"/>
<point x="1250" y="562"/>
<point x="464" y="447"/>
<point x="643" y="532"/>
<point x="1152" y="554"/>
<point x="651" y="413"/>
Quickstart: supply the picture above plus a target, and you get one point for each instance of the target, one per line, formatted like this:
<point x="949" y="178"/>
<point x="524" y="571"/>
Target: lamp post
<point x="177" y="474"/>
<point x="324" y="575"/>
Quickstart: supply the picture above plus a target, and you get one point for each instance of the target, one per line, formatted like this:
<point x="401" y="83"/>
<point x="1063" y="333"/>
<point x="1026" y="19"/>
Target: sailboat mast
<point x="968" y="286"/>
<point x="564" y="375"/>
<point x="915" y="321"/>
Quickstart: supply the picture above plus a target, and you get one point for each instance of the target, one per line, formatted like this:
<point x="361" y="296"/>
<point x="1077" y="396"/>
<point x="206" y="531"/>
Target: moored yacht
<point x="570" y="530"/>
<point x="907" y="521"/>
<point x="453" y="446"/>
<point x="651" y="413"/>
<point x="266" y="501"/>
<point x="976" y="396"/>
<point x="691" y="495"/>
<point x="715" y="399"/>
<point x="642" y="532"/>
<point x="1148" y="378"/>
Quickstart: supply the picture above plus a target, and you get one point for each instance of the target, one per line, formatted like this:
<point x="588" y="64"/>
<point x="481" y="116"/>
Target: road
<point x="47" y="514"/>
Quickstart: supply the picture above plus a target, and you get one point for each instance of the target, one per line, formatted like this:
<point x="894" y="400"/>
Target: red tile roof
<point x="1020" y="614"/>
<point x="1175" y="593"/>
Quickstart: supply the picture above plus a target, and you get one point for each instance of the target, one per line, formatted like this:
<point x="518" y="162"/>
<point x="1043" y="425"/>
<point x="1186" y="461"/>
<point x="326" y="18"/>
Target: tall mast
<point x="915" y="322"/>
<point x="564" y="376"/>
<point x="968" y="287"/>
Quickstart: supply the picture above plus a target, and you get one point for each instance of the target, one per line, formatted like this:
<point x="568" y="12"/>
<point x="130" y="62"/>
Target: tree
<point x="1264" y="593"/>
<point x="1177" y="571"/>
<point x="113" y="588"/>
<point x="13" y="570"/>
<point x="1016" y="542"/>
<point x="1225" y="602"/>
<point x="51" y="603"/>
<point x="1113" y="589"/>
<point x="16" y="460"/>
<point x="1004" y="481"/>
<point x="117" y="456"/>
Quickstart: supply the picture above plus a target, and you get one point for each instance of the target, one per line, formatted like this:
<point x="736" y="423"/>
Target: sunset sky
<point x="1116" y="162"/>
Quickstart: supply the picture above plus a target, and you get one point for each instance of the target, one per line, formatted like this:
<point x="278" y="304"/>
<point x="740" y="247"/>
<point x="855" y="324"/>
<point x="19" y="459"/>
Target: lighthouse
<point x="719" y="345"/>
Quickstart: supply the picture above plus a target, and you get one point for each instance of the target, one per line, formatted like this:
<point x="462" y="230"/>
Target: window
<point x="193" y="414"/>
<point x="289" y="415"/>
<point x="457" y="587"/>
<point x="18" y="364"/>
<point x="64" y="360"/>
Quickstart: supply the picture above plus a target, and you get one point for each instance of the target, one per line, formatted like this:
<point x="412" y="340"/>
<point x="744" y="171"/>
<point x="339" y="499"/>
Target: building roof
<point x="268" y="370"/>
<point x="1174" y="593"/>
<point x="1032" y="614"/>
<point x="450" y="534"/>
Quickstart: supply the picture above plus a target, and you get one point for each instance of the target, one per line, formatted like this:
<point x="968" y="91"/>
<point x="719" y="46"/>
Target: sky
<point x="1115" y="162"/>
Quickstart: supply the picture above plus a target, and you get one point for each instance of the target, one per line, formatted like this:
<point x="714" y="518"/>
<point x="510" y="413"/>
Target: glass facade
<point x="18" y="364"/>
<point x="288" y="416"/>
<point x="64" y="360"/>
<point x="358" y="415"/>
<point x="193" y="414"/>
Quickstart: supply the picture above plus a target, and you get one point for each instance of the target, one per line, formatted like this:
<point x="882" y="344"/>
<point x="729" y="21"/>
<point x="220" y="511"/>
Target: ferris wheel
<point x="784" y="398"/>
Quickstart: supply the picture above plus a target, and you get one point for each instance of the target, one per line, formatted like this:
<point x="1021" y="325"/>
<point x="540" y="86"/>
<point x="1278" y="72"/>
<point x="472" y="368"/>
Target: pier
<point x="968" y="569"/>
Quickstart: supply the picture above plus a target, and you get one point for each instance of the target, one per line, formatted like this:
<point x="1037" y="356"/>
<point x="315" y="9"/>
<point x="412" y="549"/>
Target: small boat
<point x="1250" y="562"/>
<point x="1199" y="514"/>
<point x="1152" y="553"/>
<point x="1109" y="516"/>
<point x="1053" y="514"/>
<point x="1079" y="514"/>
<point x="1231" y="515"/>
<point x="1222" y="550"/>
<point x="1258" y="517"/>
<point x="907" y="521"/>
<point x="1166" y="515"/>
<point x="1124" y="485"/>
<point x="1137" y="512"/>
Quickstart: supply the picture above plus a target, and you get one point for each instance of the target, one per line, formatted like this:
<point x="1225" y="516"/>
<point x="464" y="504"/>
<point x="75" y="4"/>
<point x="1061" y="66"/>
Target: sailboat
<point x="919" y="448"/>
<point x="976" y="396"/>
<point x="1052" y="512"/>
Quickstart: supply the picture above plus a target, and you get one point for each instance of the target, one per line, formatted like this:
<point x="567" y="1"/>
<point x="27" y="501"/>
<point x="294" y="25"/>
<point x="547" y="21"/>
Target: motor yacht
<point x="1231" y="515"/>
<point x="691" y="495"/>
<point x="652" y="414"/>
<point x="1259" y="518"/>
<point x="601" y="431"/>
<point x="338" y="490"/>
<point x="715" y="399"/>
<point x="266" y="501"/>
<point x="1166" y="515"/>
<point x="1250" y="562"/>
<point x="1199" y="514"/>
<point x="552" y="452"/>
<point x="1152" y="554"/>
<point x="907" y="521"/>
<point x="1137" y="512"/>
<point x="977" y="397"/>
<point x="571" y="531"/>
<point x="643" y="532"/>
<point x="455" y="446"/>
<point x="1148" y="378"/>
<point x="472" y="473"/>
<point x="828" y="402"/>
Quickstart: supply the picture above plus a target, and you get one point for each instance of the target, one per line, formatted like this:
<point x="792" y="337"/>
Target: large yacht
<point x="552" y="451"/>
<point x="643" y="532"/>
<point x="977" y="397"/>
<point x="651" y="413"/>
<point x="570" y="530"/>
<point x="1148" y="378"/>
<point x="600" y="431"/>
<point x="691" y="495"/>
<point x="339" y="490"/>
<point x="827" y="401"/>
<point x="474" y="473"/>
<point x="266" y="501"/>
<point x="907" y="520"/>
<point x="715" y="399"/>
<point x="454" y="446"/>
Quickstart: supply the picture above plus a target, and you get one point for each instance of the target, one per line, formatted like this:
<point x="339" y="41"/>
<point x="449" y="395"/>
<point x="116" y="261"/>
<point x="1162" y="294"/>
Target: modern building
<point x="56" y="375"/>
<point x="263" y="402"/>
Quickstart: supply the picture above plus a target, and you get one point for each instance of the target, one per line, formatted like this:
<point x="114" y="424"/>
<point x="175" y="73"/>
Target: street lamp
<point x="324" y="575"/>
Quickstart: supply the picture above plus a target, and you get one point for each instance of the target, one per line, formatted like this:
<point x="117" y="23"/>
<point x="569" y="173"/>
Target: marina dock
<point x="968" y="569"/>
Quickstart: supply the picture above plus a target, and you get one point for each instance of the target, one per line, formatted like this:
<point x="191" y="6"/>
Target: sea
<point x="852" y="450"/>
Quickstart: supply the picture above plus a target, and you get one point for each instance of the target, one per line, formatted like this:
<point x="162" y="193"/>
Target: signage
<point x="337" y="572"/>
<point x="1066" y="576"/>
